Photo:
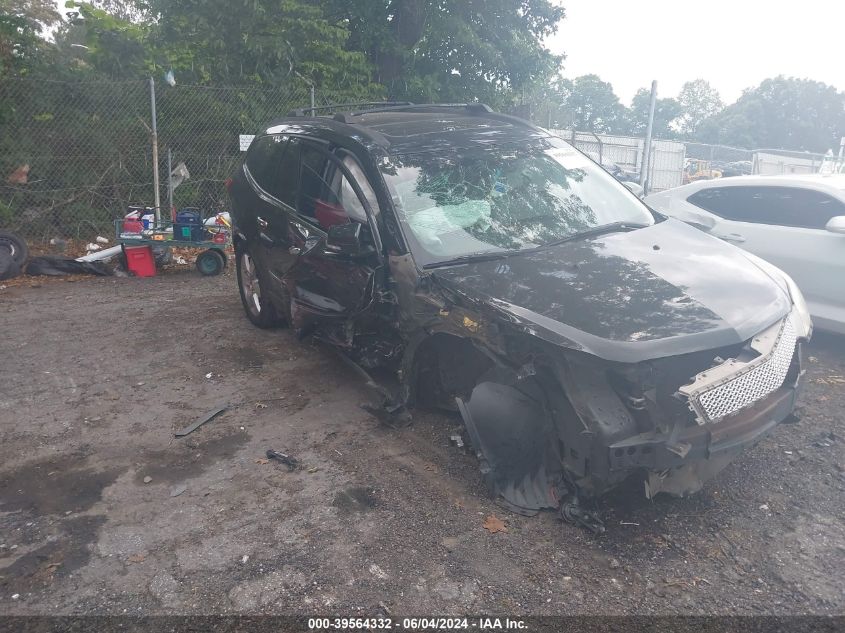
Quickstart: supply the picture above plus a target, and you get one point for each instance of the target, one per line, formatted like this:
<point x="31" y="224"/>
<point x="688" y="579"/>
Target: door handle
<point x="294" y="250"/>
<point x="736" y="238"/>
<point x="266" y="239"/>
<point x="262" y="222"/>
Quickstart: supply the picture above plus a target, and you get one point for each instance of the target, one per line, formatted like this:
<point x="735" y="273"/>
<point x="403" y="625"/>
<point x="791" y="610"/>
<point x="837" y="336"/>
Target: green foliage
<point x="39" y="14"/>
<point x="262" y="42"/>
<point x="699" y="101"/>
<point x="117" y="48"/>
<point x="782" y="112"/>
<point x="428" y="50"/>
<point x="592" y="105"/>
<point x="666" y="112"/>
<point x="22" y="50"/>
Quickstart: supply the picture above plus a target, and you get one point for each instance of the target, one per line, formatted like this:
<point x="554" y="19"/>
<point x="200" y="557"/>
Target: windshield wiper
<point x="612" y="227"/>
<point x="484" y="256"/>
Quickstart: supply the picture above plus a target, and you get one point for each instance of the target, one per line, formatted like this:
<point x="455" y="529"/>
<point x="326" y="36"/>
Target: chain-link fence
<point x="718" y="153"/>
<point x="71" y="155"/>
<point x="623" y="157"/>
<point x="74" y="156"/>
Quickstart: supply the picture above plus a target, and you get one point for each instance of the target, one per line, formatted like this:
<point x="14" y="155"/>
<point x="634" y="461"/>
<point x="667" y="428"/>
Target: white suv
<point x="796" y="223"/>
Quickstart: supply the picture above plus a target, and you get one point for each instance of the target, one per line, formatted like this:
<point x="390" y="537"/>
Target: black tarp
<point x="55" y="265"/>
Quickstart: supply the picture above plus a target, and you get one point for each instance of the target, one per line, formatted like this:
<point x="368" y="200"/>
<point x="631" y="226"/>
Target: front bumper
<point x="703" y="450"/>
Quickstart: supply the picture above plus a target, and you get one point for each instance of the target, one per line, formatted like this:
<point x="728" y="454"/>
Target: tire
<point x="15" y="245"/>
<point x="9" y="268"/>
<point x="251" y="279"/>
<point x="211" y="262"/>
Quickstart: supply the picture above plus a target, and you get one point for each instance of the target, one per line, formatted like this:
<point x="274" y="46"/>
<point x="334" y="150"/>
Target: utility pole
<point x="647" y="146"/>
<point x="156" y="193"/>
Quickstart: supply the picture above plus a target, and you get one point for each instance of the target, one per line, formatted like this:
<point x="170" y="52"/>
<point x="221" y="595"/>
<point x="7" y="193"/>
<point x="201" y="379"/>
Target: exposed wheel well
<point x="446" y="366"/>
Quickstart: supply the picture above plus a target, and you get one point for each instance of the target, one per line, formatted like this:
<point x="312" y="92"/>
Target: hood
<point x="658" y="291"/>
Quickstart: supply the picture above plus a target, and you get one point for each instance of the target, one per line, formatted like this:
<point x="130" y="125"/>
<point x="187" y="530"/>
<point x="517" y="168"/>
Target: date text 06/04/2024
<point x="416" y="624"/>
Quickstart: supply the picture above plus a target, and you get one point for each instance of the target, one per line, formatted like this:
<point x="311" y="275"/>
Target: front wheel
<point x="254" y="297"/>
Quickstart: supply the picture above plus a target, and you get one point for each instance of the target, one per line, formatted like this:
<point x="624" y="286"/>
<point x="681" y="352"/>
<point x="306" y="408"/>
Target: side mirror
<point x="836" y="224"/>
<point x="634" y="187"/>
<point x="345" y="239"/>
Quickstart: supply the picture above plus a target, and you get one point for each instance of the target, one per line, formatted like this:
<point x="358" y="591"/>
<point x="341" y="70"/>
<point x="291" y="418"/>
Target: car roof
<point x="409" y="128"/>
<point x="834" y="183"/>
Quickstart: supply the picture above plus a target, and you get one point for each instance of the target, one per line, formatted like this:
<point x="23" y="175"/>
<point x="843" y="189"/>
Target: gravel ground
<point x="103" y="511"/>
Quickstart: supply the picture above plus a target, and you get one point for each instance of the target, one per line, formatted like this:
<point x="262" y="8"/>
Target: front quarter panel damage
<point x="548" y="419"/>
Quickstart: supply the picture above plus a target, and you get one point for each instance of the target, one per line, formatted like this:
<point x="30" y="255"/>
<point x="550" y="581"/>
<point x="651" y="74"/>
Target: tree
<point x="666" y="112"/>
<point x="233" y="42"/>
<point x="40" y="14"/>
<point x="489" y="50"/>
<point x="21" y="24"/>
<point x="698" y="101"/>
<point x="782" y="112"/>
<point x="593" y="106"/>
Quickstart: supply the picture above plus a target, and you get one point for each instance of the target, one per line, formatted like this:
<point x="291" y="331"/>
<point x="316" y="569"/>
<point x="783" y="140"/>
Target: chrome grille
<point x="755" y="383"/>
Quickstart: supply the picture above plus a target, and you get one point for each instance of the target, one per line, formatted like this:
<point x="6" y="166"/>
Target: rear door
<point x="274" y="225"/>
<point x="786" y="226"/>
<point x="261" y="170"/>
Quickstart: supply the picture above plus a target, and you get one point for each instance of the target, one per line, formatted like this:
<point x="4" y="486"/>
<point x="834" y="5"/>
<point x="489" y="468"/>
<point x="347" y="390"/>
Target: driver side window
<point x="347" y="194"/>
<point x="339" y="204"/>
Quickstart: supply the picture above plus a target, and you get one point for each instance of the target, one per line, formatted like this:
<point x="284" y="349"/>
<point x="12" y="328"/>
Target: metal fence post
<point x="156" y="194"/>
<point x="649" y="130"/>
<point x="170" y="183"/>
<point x="313" y="104"/>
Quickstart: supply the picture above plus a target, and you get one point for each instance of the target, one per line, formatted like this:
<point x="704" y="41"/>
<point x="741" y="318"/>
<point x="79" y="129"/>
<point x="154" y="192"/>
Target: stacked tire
<point x="13" y="254"/>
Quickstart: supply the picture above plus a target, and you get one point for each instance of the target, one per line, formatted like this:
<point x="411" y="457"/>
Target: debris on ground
<point x="206" y="418"/>
<point x="147" y="479"/>
<point x="101" y="255"/>
<point x="573" y="512"/>
<point x="178" y="490"/>
<point x="494" y="524"/>
<point x="831" y="380"/>
<point x="136" y="558"/>
<point x="291" y="462"/>
<point x="56" y="265"/>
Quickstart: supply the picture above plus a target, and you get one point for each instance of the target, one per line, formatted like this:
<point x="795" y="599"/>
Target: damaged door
<point x="333" y="240"/>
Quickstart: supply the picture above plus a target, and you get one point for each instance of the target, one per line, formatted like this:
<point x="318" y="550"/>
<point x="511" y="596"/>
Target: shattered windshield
<point x="486" y="200"/>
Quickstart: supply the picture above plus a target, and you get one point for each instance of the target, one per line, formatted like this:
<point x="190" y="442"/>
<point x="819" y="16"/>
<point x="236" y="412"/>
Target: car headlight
<point x="799" y="305"/>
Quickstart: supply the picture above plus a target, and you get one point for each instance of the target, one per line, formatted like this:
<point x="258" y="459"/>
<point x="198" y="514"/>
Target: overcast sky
<point x="734" y="44"/>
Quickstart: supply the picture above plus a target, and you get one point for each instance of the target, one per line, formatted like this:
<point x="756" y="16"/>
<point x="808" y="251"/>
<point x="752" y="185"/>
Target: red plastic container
<point x="140" y="261"/>
<point x="132" y="225"/>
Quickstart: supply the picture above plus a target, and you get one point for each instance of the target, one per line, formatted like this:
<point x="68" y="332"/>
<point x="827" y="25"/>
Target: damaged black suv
<point x="484" y="264"/>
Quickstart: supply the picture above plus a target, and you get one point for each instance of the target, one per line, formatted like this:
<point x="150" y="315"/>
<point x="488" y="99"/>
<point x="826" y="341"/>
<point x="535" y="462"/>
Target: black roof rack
<point x="353" y="111"/>
<point x="471" y="108"/>
<point x="302" y="111"/>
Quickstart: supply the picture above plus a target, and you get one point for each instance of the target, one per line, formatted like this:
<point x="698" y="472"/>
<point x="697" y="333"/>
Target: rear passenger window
<point x="286" y="180"/>
<point x="263" y="159"/>
<point x="781" y="206"/>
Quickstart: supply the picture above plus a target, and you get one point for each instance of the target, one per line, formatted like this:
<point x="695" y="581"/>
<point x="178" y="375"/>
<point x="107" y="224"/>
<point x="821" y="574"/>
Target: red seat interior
<point x="328" y="215"/>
